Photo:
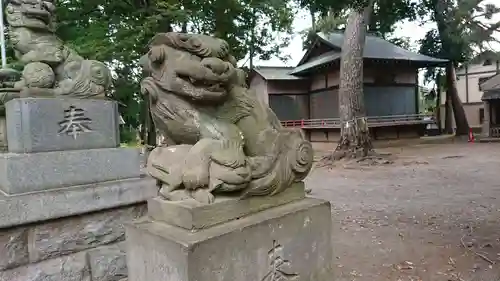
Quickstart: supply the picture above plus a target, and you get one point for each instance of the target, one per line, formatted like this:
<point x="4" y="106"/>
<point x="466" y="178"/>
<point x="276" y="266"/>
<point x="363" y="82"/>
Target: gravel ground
<point x="432" y="215"/>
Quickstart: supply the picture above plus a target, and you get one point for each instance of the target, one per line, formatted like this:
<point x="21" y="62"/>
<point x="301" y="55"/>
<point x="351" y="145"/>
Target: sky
<point x="302" y="21"/>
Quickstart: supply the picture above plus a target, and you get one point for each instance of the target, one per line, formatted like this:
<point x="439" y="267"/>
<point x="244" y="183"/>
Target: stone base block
<point x="193" y="215"/>
<point x="22" y="173"/>
<point x="288" y="242"/>
<point x="51" y="124"/>
<point x="67" y="268"/>
<point x="88" y="247"/>
<point x="46" y="205"/>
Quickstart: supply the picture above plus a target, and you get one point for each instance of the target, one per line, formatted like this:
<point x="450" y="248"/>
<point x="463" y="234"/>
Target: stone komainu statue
<point x="221" y="137"/>
<point x="50" y="67"/>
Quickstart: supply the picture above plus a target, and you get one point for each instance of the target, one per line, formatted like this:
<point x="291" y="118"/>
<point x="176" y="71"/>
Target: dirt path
<point x="410" y="221"/>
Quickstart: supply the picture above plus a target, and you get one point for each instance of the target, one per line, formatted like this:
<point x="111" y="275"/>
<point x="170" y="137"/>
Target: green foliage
<point x="128" y="135"/>
<point x="427" y="100"/>
<point x="244" y="24"/>
<point x="431" y="46"/>
<point x="460" y="32"/>
<point x="384" y="15"/>
<point x="403" y="42"/>
<point x="462" y="23"/>
<point x="325" y="6"/>
<point x="11" y="58"/>
<point x="117" y="33"/>
<point x="332" y="22"/>
<point x="326" y="24"/>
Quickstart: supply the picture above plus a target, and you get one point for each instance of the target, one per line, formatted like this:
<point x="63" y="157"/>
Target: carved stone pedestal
<point x="28" y="172"/>
<point x="54" y="143"/>
<point x="287" y="241"/>
<point x="66" y="189"/>
<point x="70" y="234"/>
<point x="50" y="124"/>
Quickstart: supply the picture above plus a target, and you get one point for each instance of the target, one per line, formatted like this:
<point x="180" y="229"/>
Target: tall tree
<point x="461" y="30"/>
<point x="117" y="32"/>
<point x="247" y="25"/>
<point x="355" y="138"/>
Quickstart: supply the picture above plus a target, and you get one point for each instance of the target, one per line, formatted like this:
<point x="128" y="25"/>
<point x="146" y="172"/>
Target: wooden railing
<point x="495" y="132"/>
<point x="373" y="121"/>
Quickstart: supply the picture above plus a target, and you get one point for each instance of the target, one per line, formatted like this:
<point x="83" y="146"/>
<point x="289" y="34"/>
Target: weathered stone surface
<point x="193" y="215"/>
<point x="68" y="268"/>
<point x="76" y="234"/>
<point x="57" y="169"/>
<point x="45" y="205"/>
<point x="3" y="134"/>
<point x="235" y="141"/>
<point x="13" y="247"/>
<point x="294" y="238"/>
<point x="51" y="68"/>
<point x="108" y="263"/>
<point x="33" y="124"/>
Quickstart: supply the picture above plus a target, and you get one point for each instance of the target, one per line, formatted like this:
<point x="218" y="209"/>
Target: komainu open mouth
<point x="211" y="86"/>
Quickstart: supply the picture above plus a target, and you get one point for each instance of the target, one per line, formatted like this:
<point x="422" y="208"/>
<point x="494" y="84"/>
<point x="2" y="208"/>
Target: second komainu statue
<point x="51" y="68"/>
<point x="220" y="138"/>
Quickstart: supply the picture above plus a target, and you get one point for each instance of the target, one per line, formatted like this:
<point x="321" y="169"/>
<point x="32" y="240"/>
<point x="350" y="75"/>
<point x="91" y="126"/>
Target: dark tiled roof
<point x="275" y="73"/>
<point x="378" y="48"/>
<point x="317" y="61"/>
<point x="375" y="48"/>
<point x="491" y="84"/>
<point x="491" y="95"/>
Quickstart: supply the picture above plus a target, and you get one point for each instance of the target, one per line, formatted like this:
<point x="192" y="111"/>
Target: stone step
<point x="29" y="172"/>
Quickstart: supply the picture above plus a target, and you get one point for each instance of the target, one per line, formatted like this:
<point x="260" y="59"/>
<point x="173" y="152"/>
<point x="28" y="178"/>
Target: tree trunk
<point x="438" y="104"/>
<point x="458" y="110"/>
<point x="355" y="138"/>
<point x="448" y="126"/>
<point x="312" y="12"/>
<point x="441" y="14"/>
<point x="252" y="42"/>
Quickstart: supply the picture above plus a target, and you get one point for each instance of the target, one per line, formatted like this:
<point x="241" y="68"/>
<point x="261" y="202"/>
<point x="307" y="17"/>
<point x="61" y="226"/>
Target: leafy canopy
<point x="117" y="33"/>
